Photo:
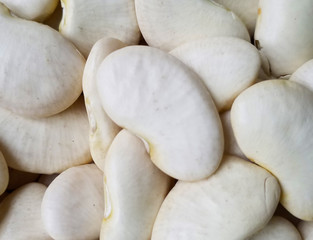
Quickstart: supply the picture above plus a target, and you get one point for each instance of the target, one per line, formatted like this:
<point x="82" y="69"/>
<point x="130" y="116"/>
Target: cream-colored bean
<point x="40" y="77"/>
<point x="73" y="205"/>
<point x="226" y="65"/>
<point x="271" y="122"/>
<point x="283" y="34"/>
<point x="154" y="95"/>
<point x="37" y="10"/>
<point x="102" y="129"/>
<point x="20" y="214"/>
<point x="85" y="22"/>
<point x="166" y="24"/>
<point x="46" y="145"/>
<point x="234" y="203"/>
<point x="135" y="190"/>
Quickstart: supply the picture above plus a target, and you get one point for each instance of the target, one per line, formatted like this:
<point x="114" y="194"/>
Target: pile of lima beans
<point x="156" y="119"/>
